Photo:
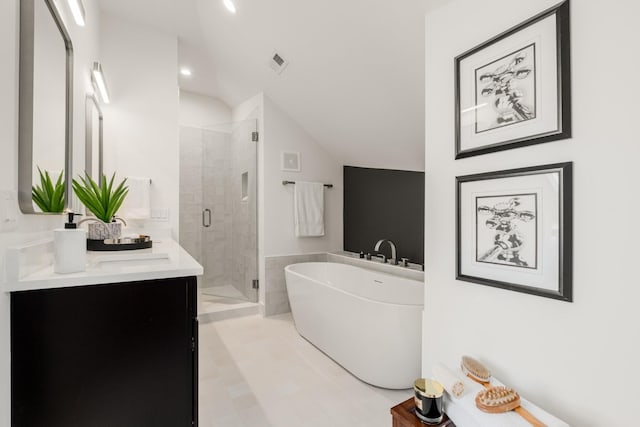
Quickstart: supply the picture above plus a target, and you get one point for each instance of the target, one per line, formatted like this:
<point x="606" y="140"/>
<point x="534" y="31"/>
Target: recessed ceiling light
<point x="185" y="72"/>
<point x="230" y="6"/>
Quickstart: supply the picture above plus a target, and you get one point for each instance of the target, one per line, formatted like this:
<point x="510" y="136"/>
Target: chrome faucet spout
<point x="394" y="256"/>
<point x="86" y="220"/>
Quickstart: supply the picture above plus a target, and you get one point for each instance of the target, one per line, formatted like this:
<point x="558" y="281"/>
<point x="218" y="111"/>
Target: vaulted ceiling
<point x="355" y="80"/>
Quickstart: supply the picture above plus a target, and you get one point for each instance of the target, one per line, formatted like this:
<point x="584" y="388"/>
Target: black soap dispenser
<point x="70" y="247"/>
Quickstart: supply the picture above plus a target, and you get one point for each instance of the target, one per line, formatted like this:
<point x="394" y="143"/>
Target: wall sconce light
<point x="99" y="82"/>
<point x="77" y="10"/>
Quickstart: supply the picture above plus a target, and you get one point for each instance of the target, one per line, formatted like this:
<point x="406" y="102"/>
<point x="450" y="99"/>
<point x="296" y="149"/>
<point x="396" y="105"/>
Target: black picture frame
<point x="479" y="270"/>
<point x="549" y="127"/>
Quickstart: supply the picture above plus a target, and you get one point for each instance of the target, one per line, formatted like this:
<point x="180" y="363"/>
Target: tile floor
<point x="257" y="371"/>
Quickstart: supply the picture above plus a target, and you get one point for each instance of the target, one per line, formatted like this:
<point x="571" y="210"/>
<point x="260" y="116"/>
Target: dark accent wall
<point x="384" y="204"/>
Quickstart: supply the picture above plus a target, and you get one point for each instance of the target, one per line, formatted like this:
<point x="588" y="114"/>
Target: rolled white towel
<point x="449" y="380"/>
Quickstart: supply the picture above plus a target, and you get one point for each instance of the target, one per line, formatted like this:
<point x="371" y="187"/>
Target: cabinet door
<point x="114" y="355"/>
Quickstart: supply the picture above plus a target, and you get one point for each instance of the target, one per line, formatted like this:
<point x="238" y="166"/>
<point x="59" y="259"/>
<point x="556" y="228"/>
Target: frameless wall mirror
<point x="45" y="112"/>
<point x="93" y="138"/>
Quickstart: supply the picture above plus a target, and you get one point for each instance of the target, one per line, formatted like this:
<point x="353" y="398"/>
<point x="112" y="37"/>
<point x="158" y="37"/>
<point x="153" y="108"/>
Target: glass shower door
<point x="220" y="211"/>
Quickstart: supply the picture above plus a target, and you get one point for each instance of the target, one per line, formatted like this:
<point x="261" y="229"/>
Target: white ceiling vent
<point x="277" y="62"/>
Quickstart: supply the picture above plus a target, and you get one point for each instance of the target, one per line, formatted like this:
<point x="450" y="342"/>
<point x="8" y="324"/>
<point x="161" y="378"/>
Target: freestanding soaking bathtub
<point x="368" y="322"/>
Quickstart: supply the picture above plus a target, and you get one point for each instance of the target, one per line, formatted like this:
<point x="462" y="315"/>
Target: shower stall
<point x="218" y="207"/>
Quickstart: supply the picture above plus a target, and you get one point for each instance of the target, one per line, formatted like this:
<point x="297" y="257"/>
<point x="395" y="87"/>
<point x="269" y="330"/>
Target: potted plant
<point x="103" y="201"/>
<point x="49" y="197"/>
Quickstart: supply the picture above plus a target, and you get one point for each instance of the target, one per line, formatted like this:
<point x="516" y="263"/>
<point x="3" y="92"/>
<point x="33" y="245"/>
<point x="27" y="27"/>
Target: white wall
<point x="202" y="111"/>
<point x="32" y="227"/>
<point x="141" y="122"/>
<point x="574" y="359"/>
<point x="282" y="133"/>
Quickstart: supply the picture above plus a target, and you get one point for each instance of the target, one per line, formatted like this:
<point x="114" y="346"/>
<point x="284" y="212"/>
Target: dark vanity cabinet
<point x="114" y="355"/>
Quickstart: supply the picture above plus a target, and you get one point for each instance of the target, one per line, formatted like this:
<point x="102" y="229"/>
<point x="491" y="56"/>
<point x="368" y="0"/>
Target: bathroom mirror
<point x="93" y="138"/>
<point x="46" y="94"/>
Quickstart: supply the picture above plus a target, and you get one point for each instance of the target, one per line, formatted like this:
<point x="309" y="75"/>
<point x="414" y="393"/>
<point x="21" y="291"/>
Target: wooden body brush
<point x="475" y="370"/>
<point x="495" y="399"/>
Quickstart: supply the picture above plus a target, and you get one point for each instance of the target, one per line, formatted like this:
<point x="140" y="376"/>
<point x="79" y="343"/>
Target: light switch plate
<point x="8" y="211"/>
<point x="160" y="214"/>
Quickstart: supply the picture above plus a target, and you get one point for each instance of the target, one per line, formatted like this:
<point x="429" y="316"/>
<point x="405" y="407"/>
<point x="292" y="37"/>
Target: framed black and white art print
<point x="514" y="229"/>
<point x="514" y="90"/>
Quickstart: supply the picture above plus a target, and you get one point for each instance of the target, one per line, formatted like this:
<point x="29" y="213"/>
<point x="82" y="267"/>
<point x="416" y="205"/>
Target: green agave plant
<point x="102" y="200"/>
<point x="49" y="197"/>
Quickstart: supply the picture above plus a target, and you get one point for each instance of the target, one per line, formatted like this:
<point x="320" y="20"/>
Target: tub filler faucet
<point x="394" y="257"/>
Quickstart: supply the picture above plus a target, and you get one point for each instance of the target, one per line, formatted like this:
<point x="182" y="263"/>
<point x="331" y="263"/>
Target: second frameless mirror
<point x="93" y="138"/>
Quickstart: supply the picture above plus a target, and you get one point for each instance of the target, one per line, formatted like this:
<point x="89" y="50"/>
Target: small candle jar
<point x="428" y="399"/>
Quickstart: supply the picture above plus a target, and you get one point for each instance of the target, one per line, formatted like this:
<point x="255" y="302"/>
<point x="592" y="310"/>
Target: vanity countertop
<point x="165" y="259"/>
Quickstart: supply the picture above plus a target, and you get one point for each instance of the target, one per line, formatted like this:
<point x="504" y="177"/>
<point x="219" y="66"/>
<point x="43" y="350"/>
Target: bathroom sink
<point x="127" y="258"/>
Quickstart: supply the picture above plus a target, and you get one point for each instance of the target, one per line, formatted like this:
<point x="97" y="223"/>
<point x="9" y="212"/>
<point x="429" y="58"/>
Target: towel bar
<point x="293" y="182"/>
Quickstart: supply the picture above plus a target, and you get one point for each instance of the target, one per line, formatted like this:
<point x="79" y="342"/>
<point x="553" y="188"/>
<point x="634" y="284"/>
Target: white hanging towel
<point x="137" y="204"/>
<point x="308" y="203"/>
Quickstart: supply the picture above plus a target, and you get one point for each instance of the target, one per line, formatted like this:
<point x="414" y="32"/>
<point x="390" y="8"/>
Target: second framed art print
<point x="514" y="230"/>
<point x="514" y="90"/>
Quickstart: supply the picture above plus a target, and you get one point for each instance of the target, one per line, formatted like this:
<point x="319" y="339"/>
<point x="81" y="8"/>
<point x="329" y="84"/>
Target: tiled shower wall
<point x="205" y="183"/>
<point x="217" y="196"/>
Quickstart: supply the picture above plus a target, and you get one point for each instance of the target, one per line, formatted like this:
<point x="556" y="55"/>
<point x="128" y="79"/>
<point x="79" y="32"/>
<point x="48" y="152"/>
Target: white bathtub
<point x="368" y="322"/>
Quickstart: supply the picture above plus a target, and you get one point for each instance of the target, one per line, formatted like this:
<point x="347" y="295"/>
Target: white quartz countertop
<point x="166" y="259"/>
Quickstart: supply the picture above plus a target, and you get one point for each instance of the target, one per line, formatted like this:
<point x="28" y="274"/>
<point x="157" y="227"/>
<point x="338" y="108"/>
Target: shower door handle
<point x="206" y="218"/>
